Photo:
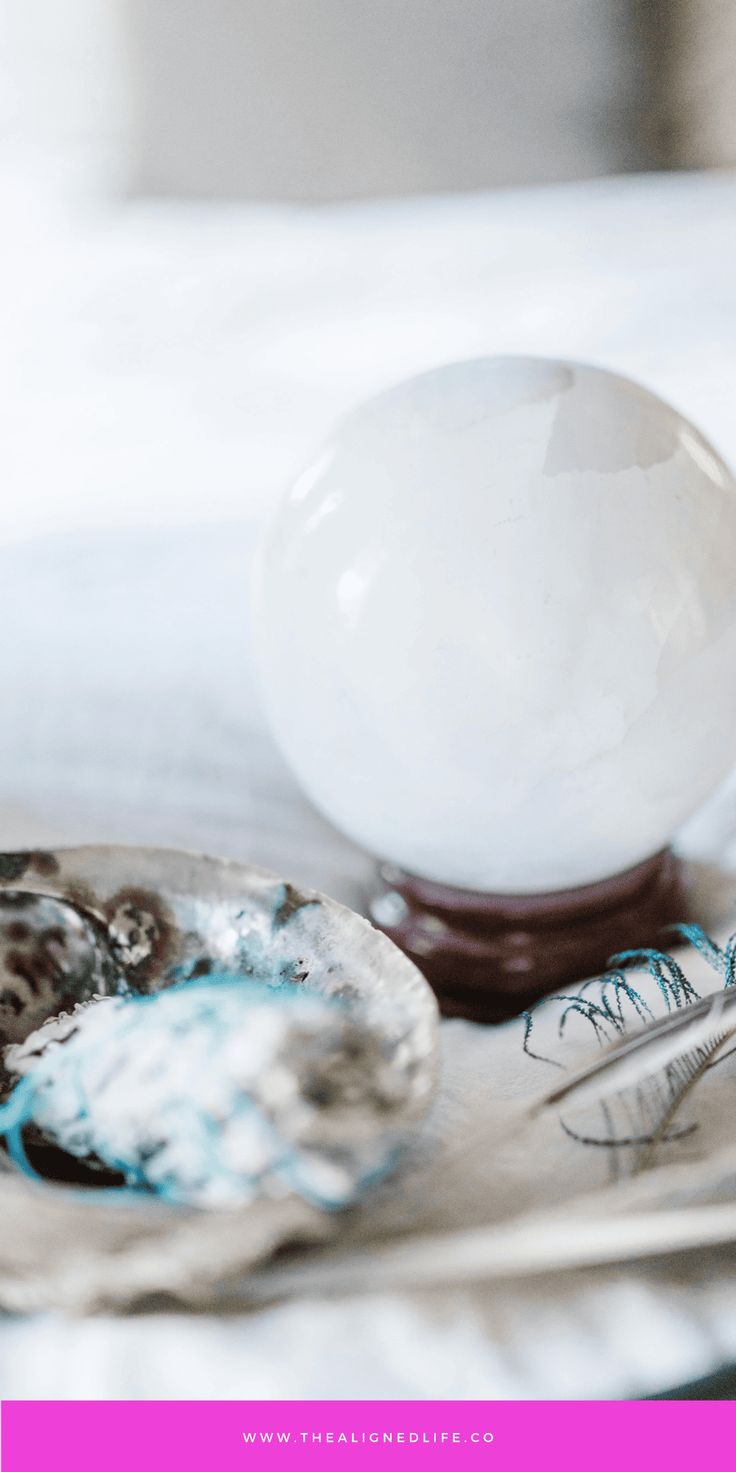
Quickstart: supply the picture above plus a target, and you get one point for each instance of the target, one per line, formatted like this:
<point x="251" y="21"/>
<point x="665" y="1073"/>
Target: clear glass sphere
<point x="497" y="624"/>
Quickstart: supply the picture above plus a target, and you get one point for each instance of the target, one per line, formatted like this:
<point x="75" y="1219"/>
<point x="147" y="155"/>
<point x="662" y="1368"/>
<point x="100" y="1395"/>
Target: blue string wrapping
<point x="213" y="1092"/>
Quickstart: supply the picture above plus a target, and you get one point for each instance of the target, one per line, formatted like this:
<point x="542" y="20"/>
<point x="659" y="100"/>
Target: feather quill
<point x="670" y="1041"/>
<point x="531" y="1244"/>
<point x="681" y="1078"/>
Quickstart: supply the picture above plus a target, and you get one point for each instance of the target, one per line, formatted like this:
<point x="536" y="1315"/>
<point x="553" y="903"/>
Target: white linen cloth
<point x="172" y="365"/>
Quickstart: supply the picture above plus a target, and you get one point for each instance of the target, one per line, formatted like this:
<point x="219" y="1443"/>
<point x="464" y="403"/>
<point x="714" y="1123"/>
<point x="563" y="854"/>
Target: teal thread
<point x="284" y="1162"/>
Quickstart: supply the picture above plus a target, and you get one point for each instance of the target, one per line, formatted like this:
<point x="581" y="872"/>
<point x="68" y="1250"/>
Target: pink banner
<point x="117" y="1436"/>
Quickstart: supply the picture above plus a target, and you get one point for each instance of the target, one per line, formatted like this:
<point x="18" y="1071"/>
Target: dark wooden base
<point x="489" y="956"/>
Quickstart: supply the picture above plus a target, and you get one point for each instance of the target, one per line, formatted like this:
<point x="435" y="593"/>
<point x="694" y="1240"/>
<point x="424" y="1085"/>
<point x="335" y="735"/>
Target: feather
<point x="681" y="1077"/>
<point x="671" y="1041"/>
<point x="530" y="1244"/>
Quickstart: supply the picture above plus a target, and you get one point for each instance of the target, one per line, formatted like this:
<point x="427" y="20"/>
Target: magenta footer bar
<point x="84" y="1436"/>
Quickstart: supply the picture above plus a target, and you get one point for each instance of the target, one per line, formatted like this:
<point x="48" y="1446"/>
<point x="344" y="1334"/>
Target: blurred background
<point x="338" y="99"/>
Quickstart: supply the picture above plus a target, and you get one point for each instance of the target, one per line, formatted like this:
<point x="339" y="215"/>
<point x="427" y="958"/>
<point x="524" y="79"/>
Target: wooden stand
<point x="489" y="956"/>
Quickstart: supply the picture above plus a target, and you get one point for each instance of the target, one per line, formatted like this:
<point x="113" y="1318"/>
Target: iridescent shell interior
<point x="81" y="922"/>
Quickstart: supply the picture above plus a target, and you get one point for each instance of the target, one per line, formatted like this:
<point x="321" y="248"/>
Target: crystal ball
<point x="496" y="623"/>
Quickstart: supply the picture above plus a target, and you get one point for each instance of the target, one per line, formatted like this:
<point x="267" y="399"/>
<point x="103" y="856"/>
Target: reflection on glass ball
<point x="497" y="624"/>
